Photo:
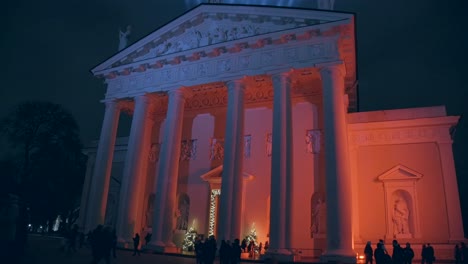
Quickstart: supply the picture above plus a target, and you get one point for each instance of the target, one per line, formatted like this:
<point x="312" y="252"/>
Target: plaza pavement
<point x="46" y="250"/>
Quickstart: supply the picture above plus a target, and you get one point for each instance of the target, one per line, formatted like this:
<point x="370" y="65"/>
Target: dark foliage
<point x="43" y="159"/>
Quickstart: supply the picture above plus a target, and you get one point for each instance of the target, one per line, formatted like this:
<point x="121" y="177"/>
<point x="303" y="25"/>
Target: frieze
<point x="204" y="70"/>
<point x="394" y="136"/>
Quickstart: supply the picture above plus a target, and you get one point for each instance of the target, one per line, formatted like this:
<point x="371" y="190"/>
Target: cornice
<point x="422" y="130"/>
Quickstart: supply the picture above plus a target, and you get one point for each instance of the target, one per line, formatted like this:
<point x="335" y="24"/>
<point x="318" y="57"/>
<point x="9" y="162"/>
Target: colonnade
<point x="338" y="177"/>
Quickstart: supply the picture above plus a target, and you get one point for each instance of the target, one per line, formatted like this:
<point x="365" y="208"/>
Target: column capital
<point x="183" y="92"/>
<point x="282" y="77"/>
<point x="236" y="84"/>
<point x="332" y="69"/>
<point x="126" y="106"/>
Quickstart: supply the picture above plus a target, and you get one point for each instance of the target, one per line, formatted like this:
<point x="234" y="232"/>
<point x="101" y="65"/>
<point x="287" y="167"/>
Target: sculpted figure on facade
<point x="269" y="141"/>
<point x="182" y="213"/>
<point x="188" y="149"/>
<point x="318" y="213"/>
<point x="123" y="37"/>
<point x="217" y="149"/>
<point x="247" y="141"/>
<point x="312" y="140"/>
<point x="400" y="216"/>
<point x="154" y="152"/>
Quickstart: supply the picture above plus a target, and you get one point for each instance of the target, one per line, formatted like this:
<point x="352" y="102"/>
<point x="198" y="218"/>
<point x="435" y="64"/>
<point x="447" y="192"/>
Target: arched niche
<point x="402" y="216"/>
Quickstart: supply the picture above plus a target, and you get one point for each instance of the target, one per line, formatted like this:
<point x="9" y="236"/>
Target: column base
<point x="278" y="255"/>
<point x="339" y="256"/>
<point x="161" y="247"/>
<point x="123" y="243"/>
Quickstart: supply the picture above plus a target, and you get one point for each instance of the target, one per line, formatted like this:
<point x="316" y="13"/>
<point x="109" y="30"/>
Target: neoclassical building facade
<point x="244" y="118"/>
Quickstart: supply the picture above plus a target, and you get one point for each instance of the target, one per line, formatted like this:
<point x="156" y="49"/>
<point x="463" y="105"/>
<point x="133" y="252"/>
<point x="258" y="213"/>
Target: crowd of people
<point x="400" y="255"/>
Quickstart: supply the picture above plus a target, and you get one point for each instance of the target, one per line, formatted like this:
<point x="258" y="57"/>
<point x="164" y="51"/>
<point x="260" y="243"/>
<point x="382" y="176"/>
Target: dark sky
<point x="411" y="53"/>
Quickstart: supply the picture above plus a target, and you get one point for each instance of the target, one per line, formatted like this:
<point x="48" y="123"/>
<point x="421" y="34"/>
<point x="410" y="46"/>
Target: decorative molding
<point x="191" y="73"/>
<point x="216" y="148"/>
<point x="247" y="144"/>
<point x="269" y="143"/>
<point x="188" y="149"/>
<point x="396" y="136"/>
<point x="154" y="152"/>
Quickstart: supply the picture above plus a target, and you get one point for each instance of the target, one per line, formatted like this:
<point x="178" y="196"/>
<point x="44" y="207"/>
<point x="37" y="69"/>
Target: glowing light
<point x="213" y="205"/>
<point x="29" y="225"/>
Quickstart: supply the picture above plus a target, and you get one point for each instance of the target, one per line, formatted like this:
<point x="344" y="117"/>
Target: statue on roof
<point x="325" y="4"/>
<point x="123" y="37"/>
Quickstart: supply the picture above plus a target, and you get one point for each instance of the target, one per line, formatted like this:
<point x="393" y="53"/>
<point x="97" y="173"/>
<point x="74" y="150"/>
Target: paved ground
<point x="45" y="250"/>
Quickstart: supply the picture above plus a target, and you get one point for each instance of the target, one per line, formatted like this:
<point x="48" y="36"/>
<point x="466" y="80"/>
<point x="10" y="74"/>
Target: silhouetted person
<point x="408" y="254"/>
<point x="209" y="250"/>
<point x="136" y="243"/>
<point x="244" y="245"/>
<point x="430" y="257"/>
<point x="199" y="250"/>
<point x="457" y="254"/>
<point x="423" y="254"/>
<point x="397" y="256"/>
<point x="379" y="254"/>
<point x="148" y="238"/>
<point x="101" y="244"/>
<point x="72" y="236"/>
<point x="464" y="252"/>
<point x="368" y="252"/>
<point x="114" y="243"/>
<point x="236" y="251"/>
<point x="224" y="252"/>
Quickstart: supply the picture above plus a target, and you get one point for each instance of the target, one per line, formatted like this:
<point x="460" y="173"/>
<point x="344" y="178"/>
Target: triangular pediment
<point x="215" y="24"/>
<point x="400" y="173"/>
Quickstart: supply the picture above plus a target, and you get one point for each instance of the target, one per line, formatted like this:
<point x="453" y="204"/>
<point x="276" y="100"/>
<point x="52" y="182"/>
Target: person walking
<point x="368" y="252"/>
<point x="136" y="243"/>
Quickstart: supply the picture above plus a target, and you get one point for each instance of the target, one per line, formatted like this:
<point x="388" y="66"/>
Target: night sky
<point x="411" y="53"/>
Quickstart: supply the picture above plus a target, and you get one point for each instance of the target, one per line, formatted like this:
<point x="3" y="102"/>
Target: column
<point x="452" y="199"/>
<point x="281" y="167"/>
<point x="166" y="186"/>
<point x="134" y="173"/>
<point x="85" y="192"/>
<point x="102" y="169"/>
<point x="229" y="226"/>
<point x="337" y="169"/>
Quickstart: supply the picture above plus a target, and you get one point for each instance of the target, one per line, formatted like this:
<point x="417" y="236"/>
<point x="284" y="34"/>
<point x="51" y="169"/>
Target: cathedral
<point x="245" y="121"/>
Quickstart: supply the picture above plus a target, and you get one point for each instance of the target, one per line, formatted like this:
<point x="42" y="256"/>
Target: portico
<point x="237" y="90"/>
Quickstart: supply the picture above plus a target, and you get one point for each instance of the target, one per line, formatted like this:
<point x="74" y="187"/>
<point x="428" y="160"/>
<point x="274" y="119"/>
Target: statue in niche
<point x="318" y="213"/>
<point x="123" y="37"/>
<point x="400" y="216"/>
<point x="269" y="141"/>
<point x="183" y="212"/>
<point x="312" y="140"/>
<point x="247" y="140"/>
<point x="154" y="152"/>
